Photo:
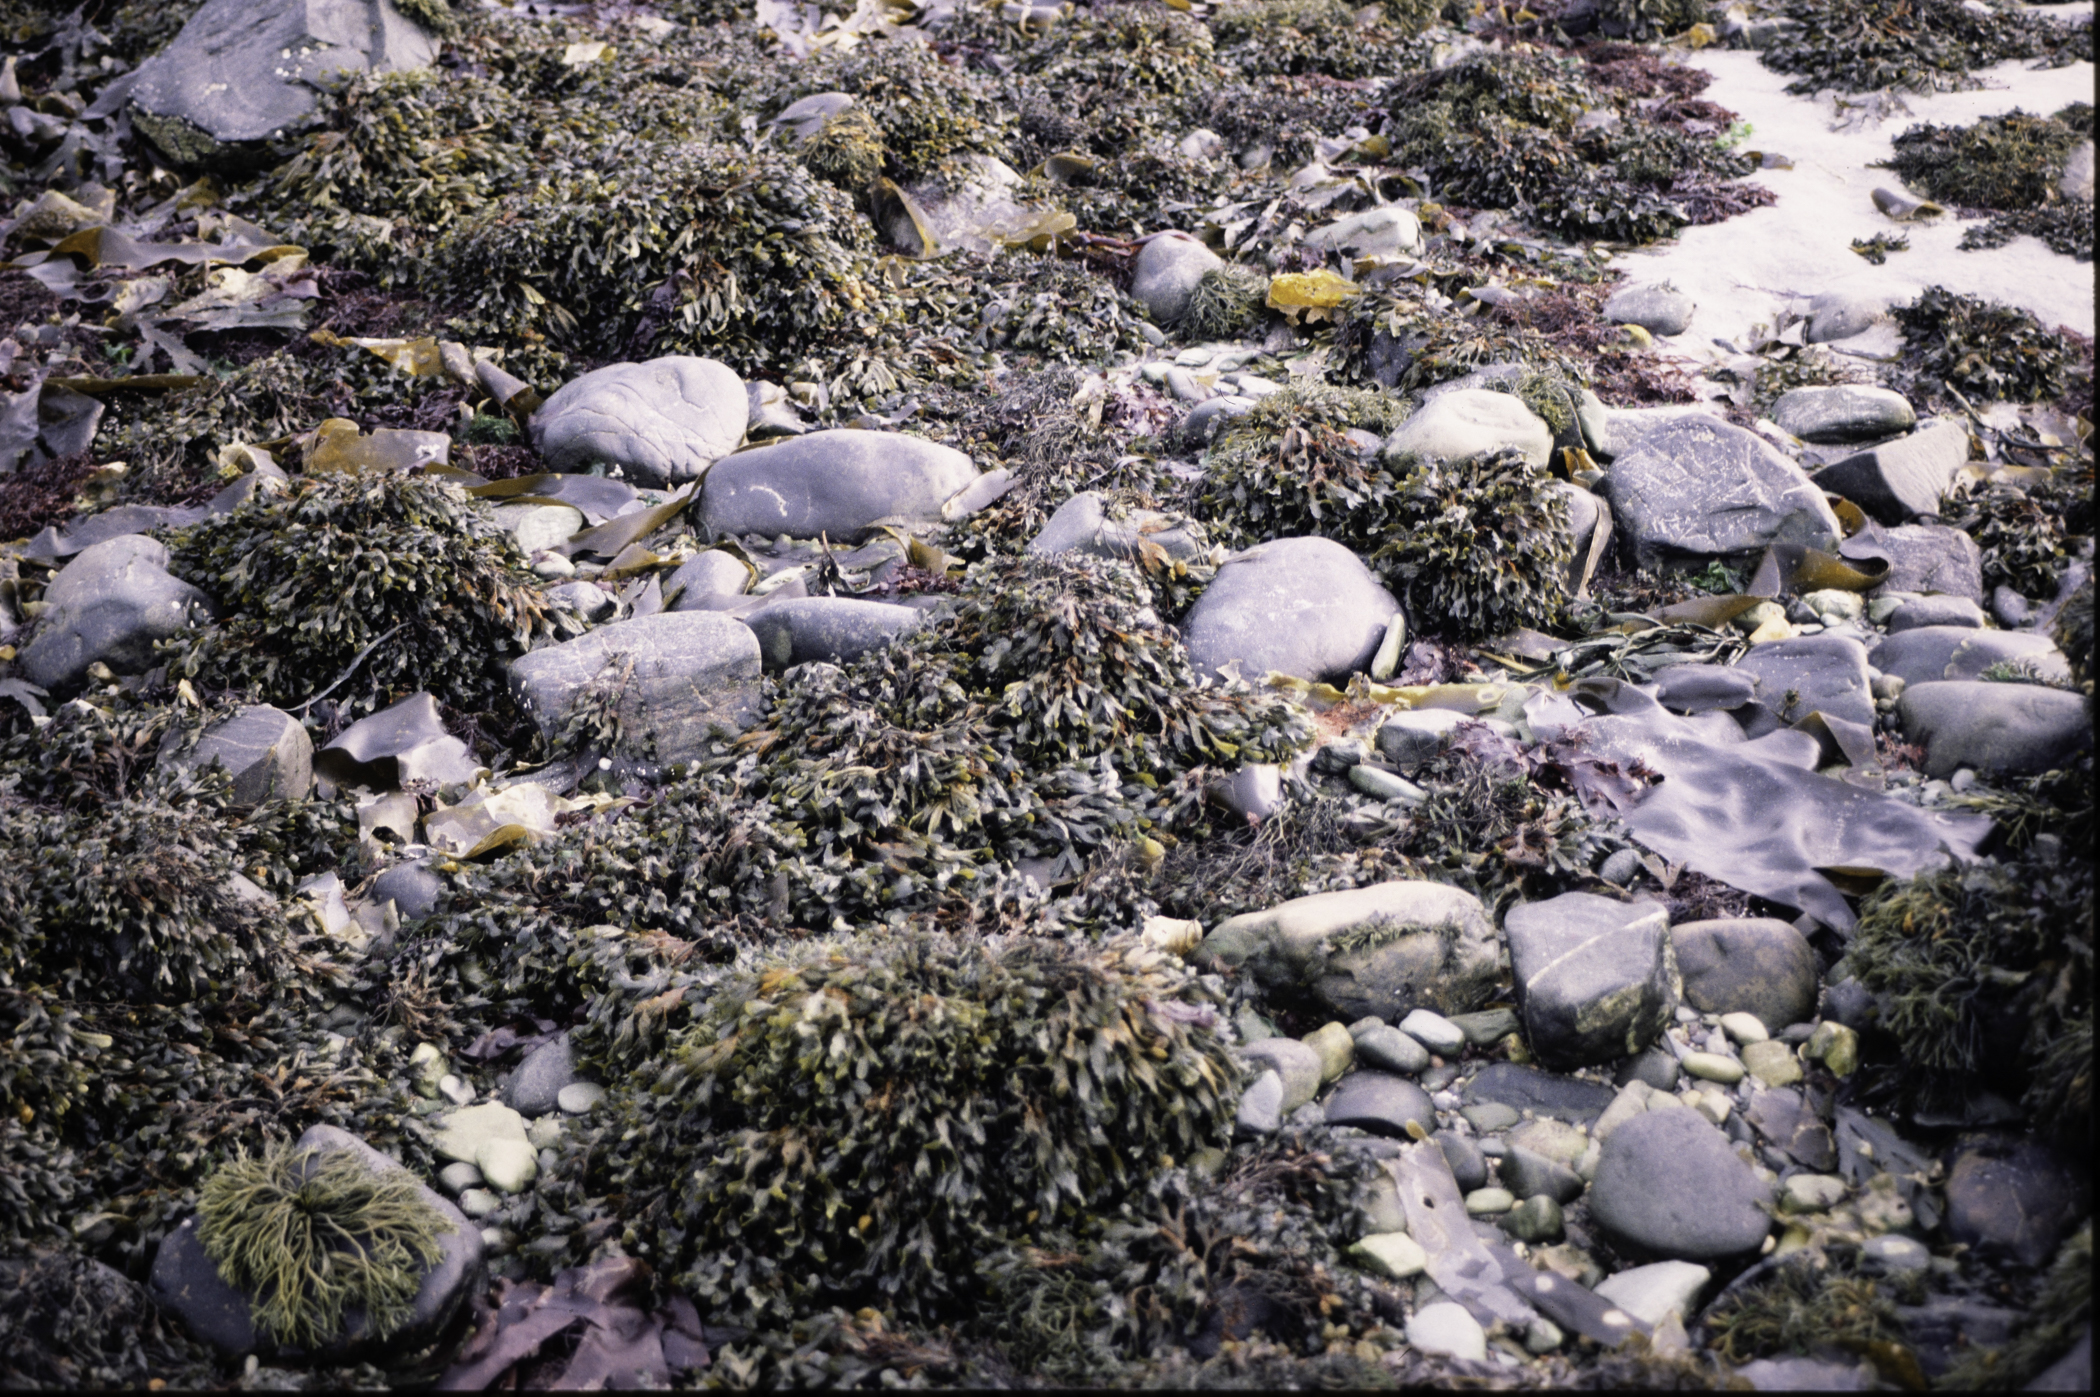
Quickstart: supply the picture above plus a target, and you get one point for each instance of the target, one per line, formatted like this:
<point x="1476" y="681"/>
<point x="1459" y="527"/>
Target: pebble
<point x="455" y="1091"/>
<point x="478" y="1202"/>
<point x="579" y="1097"/>
<point x="1536" y="1219"/>
<point x="458" y="1176"/>
<point x="1261" y="1106"/>
<point x="1772" y="1063"/>
<point x="509" y="1165"/>
<point x="1446" y="1328"/>
<point x="1336" y="1048"/>
<point x="1192" y="358"/>
<point x="1744" y="1028"/>
<point x="1393" y="1255"/>
<point x="1835" y="1046"/>
<point x="1651" y="1293"/>
<point x="1433" y="1031"/>
<point x="1490" y="1116"/>
<point x="1386" y="1048"/>
<point x="1384" y="785"/>
<point x="1713" y="1067"/>
<point x="1485" y="1202"/>
<point x="1811" y="1193"/>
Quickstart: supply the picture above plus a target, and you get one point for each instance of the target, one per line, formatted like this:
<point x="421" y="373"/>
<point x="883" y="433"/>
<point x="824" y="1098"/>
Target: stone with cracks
<point x="1695" y="488"/>
<point x="1596" y="979"/>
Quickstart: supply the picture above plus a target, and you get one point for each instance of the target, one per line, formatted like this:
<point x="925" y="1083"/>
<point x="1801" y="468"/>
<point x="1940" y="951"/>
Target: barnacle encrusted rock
<point x="662" y="422"/>
<point x="1301" y="606"/>
<point x="843" y="484"/>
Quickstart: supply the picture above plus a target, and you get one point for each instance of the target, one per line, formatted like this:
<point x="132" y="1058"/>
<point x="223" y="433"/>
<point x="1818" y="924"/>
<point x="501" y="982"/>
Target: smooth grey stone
<point x="1528" y="1174"/>
<point x="797" y="630"/>
<point x="1469" y="1167"/>
<point x="187" y="1282"/>
<point x="803" y="119"/>
<point x="844" y="484"/>
<point x="1296" y="1064"/>
<point x="1660" y="309"/>
<point x="1412" y="738"/>
<point x="1534" y="1219"/>
<point x="111" y="604"/>
<point x="1844" y="412"/>
<point x="587" y="599"/>
<point x="1747" y="965"/>
<point x="662" y="422"/>
<point x="695" y="679"/>
<point x="2076" y="182"/>
<point x="1389" y="1050"/>
<point x="395" y="746"/>
<point x="1824" y="674"/>
<point x="1998" y="729"/>
<point x="1261" y="1105"/>
<point x="1935" y="611"/>
<point x="1081" y="525"/>
<point x="1621" y="866"/>
<point x="1926" y="558"/>
<point x="1524" y="1088"/>
<point x="1900" y="479"/>
<point x="1165" y="275"/>
<point x="1379" y="232"/>
<point x="265" y="752"/>
<point x="709" y="576"/>
<point x="1697" y="488"/>
<point x="2013" y="1199"/>
<point x="1184" y="387"/>
<point x="1693" y="689"/>
<point x="245" y="72"/>
<point x="458" y="1176"/>
<point x="1838" y="315"/>
<point x="1649" y="1293"/>
<point x="1471" y="422"/>
<point x="1300" y="606"/>
<point x="1289" y="948"/>
<point x="1655" y="1066"/>
<point x="2010" y="608"/>
<point x="1924" y="654"/>
<point x="1381" y="1104"/>
<point x="1669" y="1184"/>
<point x="1380" y="784"/>
<point x="416" y="890"/>
<point x="1487" y="1026"/>
<point x="534" y="1089"/>
<point x="1211" y="417"/>
<point x="1433" y="1031"/>
<point x="1595" y="979"/>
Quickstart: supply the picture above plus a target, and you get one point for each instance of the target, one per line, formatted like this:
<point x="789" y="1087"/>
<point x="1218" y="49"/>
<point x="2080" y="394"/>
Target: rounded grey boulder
<point x="1471" y="422"/>
<point x="1168" y="268"/>
<point x="265" y="751"/>
<point x="1669" y="1184"/>
<point x="110" y="604"/>
<point x="1747" y="965"/>
<point x="1660" y="309"/>
<point x="663" y="422"/>
<point x="1596" y="979"/>
<point x="1301" y="606"/>
<point x="797" y="630"/>
<point x="843" y="484"/>
<point x="1844" y="412"/>
<point x="1999" y="729"/>
<point x="1381" y="1104"/>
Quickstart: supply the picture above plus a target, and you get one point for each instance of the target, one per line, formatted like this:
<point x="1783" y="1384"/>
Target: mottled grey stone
<point x="1389" y="1050"/>
<point x="1471" y="422"/>
<point x="2012" y="1199"/>
<point x="1261" y="1105"/>
<point x="707" y="580"/>
<point x="662" y="422"/>
<point x="1696" y="488"/>
<point x="1414" y="736"/>
<point x="1469" y="1166"/>
<point x="1669" y="1184"/>
<point x="110" y="604"/>
<point x="1595" y="979"/>
<point x="1843" y="412"/>
<point x="1998" y="729"/>
<point x="1926" y="558"/>
<point x="796" y="630"/>
<point x="1300" y="606"/>
<point x="415" y="889"/>
<point x="1658" y="308"/>
<point x="1165" y="276"/>
<point x="1839" y="315"/>
<point x="1747" y="965"/>
<point x="1381" y="1104"/>
<point x="695" y="680"/>
<point x="844" y="484"/>
<point x="1900" y="479"/>
<point x="265" y="752"/>
<point x="1825" y="674"/>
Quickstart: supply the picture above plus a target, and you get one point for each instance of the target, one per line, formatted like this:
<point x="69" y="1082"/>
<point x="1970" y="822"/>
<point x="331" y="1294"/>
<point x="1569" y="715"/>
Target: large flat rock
<point x="842" y="484"/>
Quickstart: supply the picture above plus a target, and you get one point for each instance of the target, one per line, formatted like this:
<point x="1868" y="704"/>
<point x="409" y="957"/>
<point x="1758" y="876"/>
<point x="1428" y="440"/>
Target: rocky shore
<point x="1241" y="694"/>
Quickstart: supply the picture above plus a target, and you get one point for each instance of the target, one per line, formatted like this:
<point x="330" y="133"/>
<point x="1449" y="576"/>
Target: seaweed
<point x="1910" y="45"/>
<point x="1228" y="302"/>
<point x="2008" y="165"/>
<point x="2021" y="534"/>
<point x="2054" y="1319"/>
<point x="1982" y="349"/>
<point x="1481" y="545"/>
<point x="1800" y="1307"/>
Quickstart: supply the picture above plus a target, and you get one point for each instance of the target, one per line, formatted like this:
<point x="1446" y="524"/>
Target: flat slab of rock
<point x="1373" y="952"/>
<point x="187" y="1282"/>
<point x="1525" y="1088"/>
<point x="1658" y="308"/>
<point x="1596" y="979"/>
<point x="1925" y="558"/>
<point x="1824" y="674"/>
<point x="797" y="630"/>
<point x="1935" y="611"/>
<point x="1923" y="654"/>
<point x="1165" y="275"/>
<point x="1843" y="412"/>
<point x="662" y="422"/>
<point x="241" y="72"/>
<point x="1696" y="488"/>
<point x="265" y="752"/>
<point x="110" y="604"/>
<point x="1998" y="729"/>
<point x="1898" y="480"/>
<point x="1669" y="1184"/>
<point x="1301" y="606"/>
<point x="1472" y="422"/>
<point x="843" y="484"/>
<point x="1747" y="965"/>
<point x="694" y="679"/>
<point x="1381" y="1104"/>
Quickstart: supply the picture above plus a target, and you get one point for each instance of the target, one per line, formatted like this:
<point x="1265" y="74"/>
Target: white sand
<point x="1752" y="266"/>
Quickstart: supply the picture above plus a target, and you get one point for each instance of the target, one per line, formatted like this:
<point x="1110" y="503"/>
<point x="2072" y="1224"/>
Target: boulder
<point x="1301" y="606"/>
<point x="264" y="750"/>
<point x="1472" y="422"/>
<point x="707" y="580"/>
<point x="110" y="605"/>
<point x="796" y="630"/>
<point x="843" y="484"/>
<point x="1082" y="525"/>
<point x="1839" y="315"/>
<point x="1669" y="1184"/>
<point x="1936" y="611"/>
<point x="1658" y="308"/>
<point x="1901" y="479"/>
<point x="2013" y="1199"/>
<point x="1998" y="729"/>
<point x="1596" y="979"/>
<point x="243" y="74"/>
<point x="662" y="422"/>
<point x="1747" y="965"/>
<point x="187" y="1282"/>
<point x="1165" y="276"/>
<point x="1926" y="558"/>
<point x="1373" y="952"/>
<point x="1824" y="674"/>
<point x="1379" y="1103"/>
<point x="1696" y="488"/>
<point x="1924" y="654"/>
<point x="1845" y="412"/>
<point x="694" y="678"/>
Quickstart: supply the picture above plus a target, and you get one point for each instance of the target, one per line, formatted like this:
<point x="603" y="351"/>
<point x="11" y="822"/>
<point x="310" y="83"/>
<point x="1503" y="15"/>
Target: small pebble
<point x="1962" y="782"/>
<point x="458" y="1177"/>
<point x="1714" y="1067"/>
<point x="1446" y="1328"/>
<point x="1393" y="1255"/>
<point x="1772" y="1063"/>
<point x="1432" y="1031"/>
<point x="478" y="1202"/>
<point x="1744" y="1028"/>
<point x="1485" y="1202"/>
<point x="579" y="1097"/>
<point x="454" y="1090"/>
<point x="1193" y="358"/>
<point x="495" y="1241"/>
<point x="1811" y="1193"/>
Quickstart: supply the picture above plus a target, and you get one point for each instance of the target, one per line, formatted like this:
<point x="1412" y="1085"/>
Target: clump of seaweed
<point x="1800" y="1307"/>
<point x="1643" y="21"/>
<point x="1289" y="468"/>
<point x="2074" y="635"/>
<point x="2055" y="1318"/>
<point x="928" y="115"/>
<point x="1229" y="301"/>
<point x="308" y="583"/>
<point x="312" y="1234"/>
<point x="2006" y="164"/>
<point x="1910" y="45"/>
<point x="1299" y="37"/>
<point x="1480" y="545"/>
<point x="1982" y="349"/>
<point x="2020" y="533"/>
<point x="68" y="1322"/>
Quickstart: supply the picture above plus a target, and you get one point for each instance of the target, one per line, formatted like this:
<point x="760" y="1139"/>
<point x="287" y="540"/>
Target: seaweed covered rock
<point x="868" y="1124"/>
<point x="843" y="484"/>
<point x="312" y="581"/>
<point x="1300" y="606"/>
<point x="1378" y="951"/>
<point x="664" y="422"/>
<point x="110" y="606"/>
